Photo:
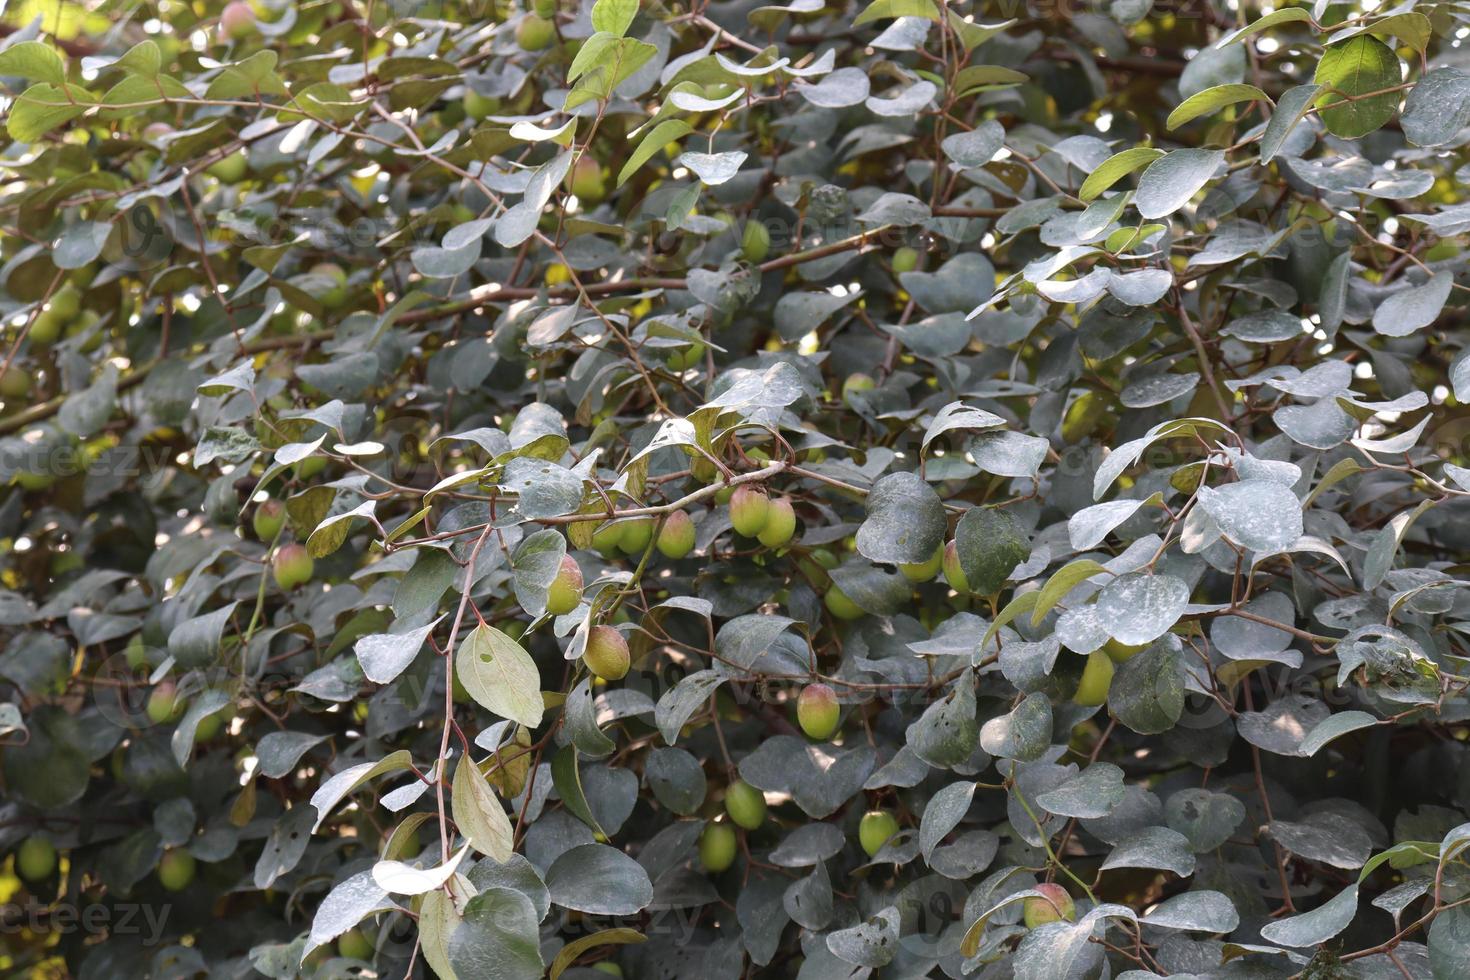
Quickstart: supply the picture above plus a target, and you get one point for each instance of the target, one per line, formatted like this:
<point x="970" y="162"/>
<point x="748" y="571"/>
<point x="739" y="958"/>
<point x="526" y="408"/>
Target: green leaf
<point x="45" y="106"/>
<point x="1361" y="77"/>
<point x="35" y="62"/>
<point x="990" y="543"/>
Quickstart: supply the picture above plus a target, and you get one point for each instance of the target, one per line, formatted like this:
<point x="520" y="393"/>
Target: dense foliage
<point x="715" y="490"/>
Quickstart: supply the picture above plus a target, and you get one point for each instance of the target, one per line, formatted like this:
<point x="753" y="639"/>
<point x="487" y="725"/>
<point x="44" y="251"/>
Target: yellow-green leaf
<point x="1115" y="168"/>
<point x="1361" y="75"/>
<point x="479" y="814"/>
<point x="1213" y="98"/>
<point x="500" y="675"/>
<point x="607" y="937"/>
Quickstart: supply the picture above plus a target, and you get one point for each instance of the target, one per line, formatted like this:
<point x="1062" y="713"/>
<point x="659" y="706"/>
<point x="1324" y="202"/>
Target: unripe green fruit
<point x="745" y="804"/>
<point x="905" y="259"/>
<point x="606" y="654"/>
<point x="874" y="830"/>
<point x="136" y="653"/>
<point x="586" y="180"/>
<point x="755" y="244"/>
<point x="954" y="572"/>
<point x="354" y="945"/>
<point x="925" y="570"/>
<point x="478" y="106"/>
<point x="1053" y="905"/>
<point x="749" y="510"/>
<point x="676" y="537"/>
<point x="230" y="169"/>
<point x="176" y="870"/>
<point x="825" y="558"/>
<point x="1121" y="653"/>
<point x="237" y="20"/>
<point x="637" y="534"/>
<point x="608" y="539"/>
<point x="292" y="566"/>
<point x="684" y="358"/>
<point x="839" y="605"/>
<point x="310" y="467"/>
<point x="855" y="383"/>
<point x="46" y="328"/>
<point x="164" y="704"/>
<point x="15" y="383"/>
<point x="535" y="33"/>
<point x="608" y="967"/>
<point x="545" y="8"/>
<point x="817" y="711"/>
<point x="67" y="302"/>
<point x="1097" y="677"/>
<point x="268" y="520"/>
<point x="780" y="523"/>
<point x="36" y="859"/>
<point x="335" y="294"/>
<point x="717" y="847"/>
<point x="565" y="593"/>
<point x="212" y="724"/>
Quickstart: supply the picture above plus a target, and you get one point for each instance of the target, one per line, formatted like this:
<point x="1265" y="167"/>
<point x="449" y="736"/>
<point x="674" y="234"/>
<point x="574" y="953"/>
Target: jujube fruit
<point x="780" y="523"/>
<point x="874" y="830"/>
<point x="292" y="566"/>
<point x="717" y="847"/>
<point x="35" y="859"/>
<point x="749" y="510"/>
<point x="606" y="653"/>
<point x="676" y="537"/>
<point x="745" y="804"/>
<point x="176" y="870"/>
<point x="818" y="711"/>
<point x="565" y="592"/>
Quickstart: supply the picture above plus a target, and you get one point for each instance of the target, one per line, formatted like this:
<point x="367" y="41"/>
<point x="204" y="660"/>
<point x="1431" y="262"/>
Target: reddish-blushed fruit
<point x="1052" y="905"/>
<point x="874" y="830"/>
<point x="840" y="605"/>
<point x="1097" y="678"/>
<point x="565" y="593"/>
<point x="923" y="571"/>
<point x="780" y="523"/>
<point x="176" y="870"/>
<point x="817" y="711"/>
<point x="586" y="180"/>
<point x="755" y="244"/>
<point x="292" y="566"/>
<point x="35" y="859"/>
<point x="676" y="537"/>
<point x="269" y="518"/>
<point x="354" y="945"/>
<point x="237" y="20"/>
<point x="749" y="510"/>
<point x="717" y="847"/>
<point x="745" y="804"/>
<point x="164" y="704"/>
<point x="954" y="572"/>
<point x="606" y="654"/>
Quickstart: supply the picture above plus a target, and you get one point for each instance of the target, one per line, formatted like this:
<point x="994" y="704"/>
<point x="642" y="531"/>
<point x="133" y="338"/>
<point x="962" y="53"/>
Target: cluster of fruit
<point x="36" y="861"/>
